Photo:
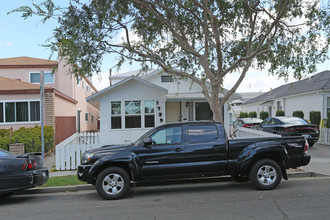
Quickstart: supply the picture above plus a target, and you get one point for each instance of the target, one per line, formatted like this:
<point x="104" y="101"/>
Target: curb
<point x="76" y="188"/>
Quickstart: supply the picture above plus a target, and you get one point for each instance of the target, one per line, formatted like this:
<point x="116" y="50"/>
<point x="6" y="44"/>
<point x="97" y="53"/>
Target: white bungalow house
<point x="310" y="94"/>
<point x="135" y="103"/>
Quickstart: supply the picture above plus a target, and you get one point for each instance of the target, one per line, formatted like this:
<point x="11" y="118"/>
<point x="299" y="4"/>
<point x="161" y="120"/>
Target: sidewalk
<point x="320" y="161"/>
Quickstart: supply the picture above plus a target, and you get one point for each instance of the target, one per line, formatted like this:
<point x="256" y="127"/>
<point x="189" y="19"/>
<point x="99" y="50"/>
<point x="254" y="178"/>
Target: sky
<point x="21" y="37"/>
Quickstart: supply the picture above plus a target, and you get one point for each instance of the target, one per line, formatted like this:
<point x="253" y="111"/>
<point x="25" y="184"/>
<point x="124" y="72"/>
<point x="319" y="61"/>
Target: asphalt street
<point x="305" y="198"/>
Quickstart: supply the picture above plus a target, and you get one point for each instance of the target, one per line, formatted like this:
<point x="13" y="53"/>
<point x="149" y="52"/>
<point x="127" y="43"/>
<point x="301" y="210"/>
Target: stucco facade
<point x="64" y="97"/>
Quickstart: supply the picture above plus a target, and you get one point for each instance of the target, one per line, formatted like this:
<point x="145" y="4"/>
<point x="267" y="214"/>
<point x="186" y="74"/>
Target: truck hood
<point x="111" y="149"/>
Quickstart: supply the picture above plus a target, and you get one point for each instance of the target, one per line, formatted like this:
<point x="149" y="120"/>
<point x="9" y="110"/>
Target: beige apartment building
<point x="66" y="108"/>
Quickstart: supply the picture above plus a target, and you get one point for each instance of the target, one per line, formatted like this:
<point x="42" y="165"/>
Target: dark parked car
<point x="18" y="172"/>
<point x="291" y="126"/>
<point x="246" y="122"/>
<point x="191" y="150"/>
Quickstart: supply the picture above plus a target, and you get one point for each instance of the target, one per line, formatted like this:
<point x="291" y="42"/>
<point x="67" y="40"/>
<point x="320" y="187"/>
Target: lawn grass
<point x="63" y="181"/>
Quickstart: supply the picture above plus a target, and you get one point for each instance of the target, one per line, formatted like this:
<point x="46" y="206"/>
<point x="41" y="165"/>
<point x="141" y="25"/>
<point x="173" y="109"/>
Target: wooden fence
<point x="68" y="153"/>
<point x="324" y="136"/>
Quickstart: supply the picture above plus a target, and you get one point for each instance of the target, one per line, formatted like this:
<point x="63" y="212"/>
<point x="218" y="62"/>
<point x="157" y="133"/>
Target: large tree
<point x="203" y="40"/>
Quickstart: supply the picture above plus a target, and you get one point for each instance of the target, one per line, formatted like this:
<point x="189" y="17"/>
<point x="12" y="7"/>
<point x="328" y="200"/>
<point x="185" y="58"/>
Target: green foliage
<point x="63" y="181"/>
<point x="31" y="137"/>
<point x="205" y="40"/>
<point x="243" y="115"/>
<point x="298" y="113"/>
<point x="315" y="117"/>
<point x="4" y="139"/>
<point x="252" y="114"/>
<point x="263" y="115"/>
<point x="328" y="120"/>
<point x="280" y="113"/>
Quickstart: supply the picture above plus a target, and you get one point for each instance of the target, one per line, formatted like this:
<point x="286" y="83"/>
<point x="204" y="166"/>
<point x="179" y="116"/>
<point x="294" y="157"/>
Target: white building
<point x="135" y="103"/>
<point x="310" y="94"/>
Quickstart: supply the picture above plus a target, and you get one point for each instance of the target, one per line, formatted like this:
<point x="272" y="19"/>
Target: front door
<point x="173" y="112"/>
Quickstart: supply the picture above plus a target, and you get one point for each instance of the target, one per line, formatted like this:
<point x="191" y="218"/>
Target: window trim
<point x="44" y="78"/>
<point x="29" y="112"/>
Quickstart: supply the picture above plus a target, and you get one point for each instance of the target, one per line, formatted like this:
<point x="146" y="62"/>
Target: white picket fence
<point x="324" y="136"/>
<point x="68" y="153"/>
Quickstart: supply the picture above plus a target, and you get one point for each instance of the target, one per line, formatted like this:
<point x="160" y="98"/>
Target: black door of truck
<point x="165" y="156"/>
<point x="206" y="149"/>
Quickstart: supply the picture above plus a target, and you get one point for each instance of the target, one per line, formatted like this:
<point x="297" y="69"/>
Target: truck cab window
<point x="202" y="133"/>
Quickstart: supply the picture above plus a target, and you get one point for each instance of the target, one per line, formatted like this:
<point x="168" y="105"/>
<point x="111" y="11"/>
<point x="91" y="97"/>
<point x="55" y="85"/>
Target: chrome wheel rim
<point x="267" y="175"/>
<point x="113" y="184"/>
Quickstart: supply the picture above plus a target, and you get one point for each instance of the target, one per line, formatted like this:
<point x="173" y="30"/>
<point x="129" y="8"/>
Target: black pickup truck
<point x="191" y="150"/>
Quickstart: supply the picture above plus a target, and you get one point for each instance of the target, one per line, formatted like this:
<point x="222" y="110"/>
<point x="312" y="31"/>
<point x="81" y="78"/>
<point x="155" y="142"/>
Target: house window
<point x="35" y="78"/>
<point x="116" y="115"/>
<point x="167" y="78"/>
<point x="149" y="113"/>
<point x="87" y="89"/>
<point x="328" y="105"/>
<point x="86" y="116"/>
<point x="132" y="114"/>
<point x="20" y="111"/>
<point x="203" y="111"/>
<point x="1" y="112"/>
<point x="34" y="111"/>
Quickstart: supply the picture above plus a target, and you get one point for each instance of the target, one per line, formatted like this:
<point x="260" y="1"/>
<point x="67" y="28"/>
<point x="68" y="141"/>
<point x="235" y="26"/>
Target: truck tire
<point x="265" y="174"/>
<point x="113" y="183"/>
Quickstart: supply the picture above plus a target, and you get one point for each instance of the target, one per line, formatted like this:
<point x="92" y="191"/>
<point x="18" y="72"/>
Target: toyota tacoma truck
<point x="191" y="150"/>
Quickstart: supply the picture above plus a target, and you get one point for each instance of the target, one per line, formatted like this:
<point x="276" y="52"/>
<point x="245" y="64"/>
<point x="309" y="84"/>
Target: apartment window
<point x="19" y="111"/>
<point x="35" y="78"/>
<point x="166" y="78"/>
<point x="149" y="113"/>
<point x="116" y="115"/>
<point x="132" y="114"/>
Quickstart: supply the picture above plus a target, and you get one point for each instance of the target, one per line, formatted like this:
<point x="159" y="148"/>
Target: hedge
<point x="31" y="137"/>
<point x="243" y="115"/>
<point x="252" y="114"/>
<point x="315" y="117"/>
<point x="298" y="113"/>
<point x="263" y="115"/>
<point x="280" y="113"/>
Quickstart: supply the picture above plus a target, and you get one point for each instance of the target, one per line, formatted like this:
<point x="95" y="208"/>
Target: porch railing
<point x="68" y="153"/>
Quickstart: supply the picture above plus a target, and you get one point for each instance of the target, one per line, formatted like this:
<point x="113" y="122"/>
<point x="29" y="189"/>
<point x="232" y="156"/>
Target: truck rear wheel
<point x="265" y="174"/>
<point x="113" y="183"/>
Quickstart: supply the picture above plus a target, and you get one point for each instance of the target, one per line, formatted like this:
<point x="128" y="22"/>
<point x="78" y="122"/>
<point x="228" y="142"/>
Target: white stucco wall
<point x="305" y="103"/>
<point x="130" y="91"/>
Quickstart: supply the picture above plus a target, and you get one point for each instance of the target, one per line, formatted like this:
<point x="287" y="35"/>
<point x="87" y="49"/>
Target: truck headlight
<point x="86" y="157"/>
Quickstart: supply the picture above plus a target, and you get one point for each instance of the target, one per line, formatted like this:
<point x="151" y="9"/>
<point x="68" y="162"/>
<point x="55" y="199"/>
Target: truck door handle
<point x="178" y="149"/>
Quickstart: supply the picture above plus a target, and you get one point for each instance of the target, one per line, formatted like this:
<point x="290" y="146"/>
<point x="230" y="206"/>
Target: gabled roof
<point x="320" y="81"/>
<point x="123" y="82"/>
<point x="26" y="62"/>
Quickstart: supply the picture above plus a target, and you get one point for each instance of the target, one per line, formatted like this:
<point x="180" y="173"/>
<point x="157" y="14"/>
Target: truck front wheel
<point x="113" y="183"/>
<point x="265" y="174"/>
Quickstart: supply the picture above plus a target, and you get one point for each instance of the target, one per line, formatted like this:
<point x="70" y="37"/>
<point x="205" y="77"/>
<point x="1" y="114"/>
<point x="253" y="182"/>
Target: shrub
<point x="280" y="113"/>
<point x="252" y="114"/>
<point x="315" y="117"/>
<point x="263" y="115"/>
<point x="243" y="115"/>
<point x="298" y="113"/>
<point x="4" y="139"/>
<point x="31" y="137"/>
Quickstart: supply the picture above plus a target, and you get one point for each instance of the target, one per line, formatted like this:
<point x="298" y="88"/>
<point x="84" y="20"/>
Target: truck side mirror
<point x="147" y="142"/>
